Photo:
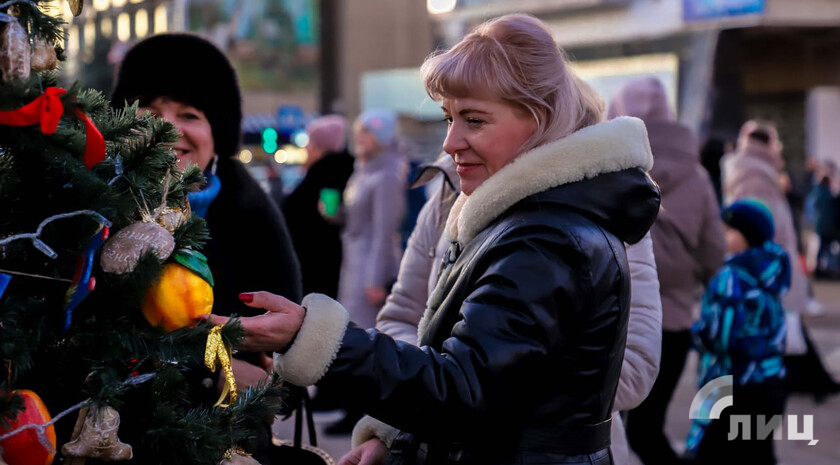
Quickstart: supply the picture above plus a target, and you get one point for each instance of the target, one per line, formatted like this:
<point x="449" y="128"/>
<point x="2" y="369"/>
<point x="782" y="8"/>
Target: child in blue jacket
<point x="741" y="333"/>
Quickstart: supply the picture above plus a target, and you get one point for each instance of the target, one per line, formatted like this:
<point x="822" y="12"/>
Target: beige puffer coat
<point x="754" y="171"/>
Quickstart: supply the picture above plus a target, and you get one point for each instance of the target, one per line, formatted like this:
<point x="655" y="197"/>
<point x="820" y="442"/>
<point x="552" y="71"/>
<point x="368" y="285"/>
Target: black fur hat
<point x="188" y="69"/>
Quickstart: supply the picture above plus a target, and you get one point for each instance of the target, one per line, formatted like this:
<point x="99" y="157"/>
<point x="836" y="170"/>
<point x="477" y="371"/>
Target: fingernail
<point x="246" y="297"/>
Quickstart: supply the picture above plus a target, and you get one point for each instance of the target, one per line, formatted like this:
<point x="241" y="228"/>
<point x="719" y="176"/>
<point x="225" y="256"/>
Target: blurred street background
<point x="722" y="62"/>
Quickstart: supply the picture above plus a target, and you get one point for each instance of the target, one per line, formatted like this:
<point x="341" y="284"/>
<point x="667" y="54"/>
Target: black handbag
<point x="294" y="452"/>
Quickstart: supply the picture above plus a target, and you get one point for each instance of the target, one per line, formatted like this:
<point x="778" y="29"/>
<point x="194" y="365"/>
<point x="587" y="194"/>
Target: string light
<point x="41" y="429"/>
<point x="39" y="244"/>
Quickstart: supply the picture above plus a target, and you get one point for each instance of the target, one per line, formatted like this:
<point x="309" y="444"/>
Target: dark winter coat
<point x="522" y="345"/>
<point x="250" y="248"/>
<point x="316" y="241"/>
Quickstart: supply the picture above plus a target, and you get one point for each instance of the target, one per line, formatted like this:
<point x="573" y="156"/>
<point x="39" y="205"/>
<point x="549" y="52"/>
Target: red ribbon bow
<point x="47" y="110"/>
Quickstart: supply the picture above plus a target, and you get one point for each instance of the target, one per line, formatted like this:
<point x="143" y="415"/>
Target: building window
<point x="117" y="3"/>
<point x="141" y="23"/>
<point x="73" y="41"/>
<point x="124" y="27"/>
<point x="161" y="19"/>
<point x="106" y="27"/>
<point x="100" y="5"/>
<point x="90" y="39"/>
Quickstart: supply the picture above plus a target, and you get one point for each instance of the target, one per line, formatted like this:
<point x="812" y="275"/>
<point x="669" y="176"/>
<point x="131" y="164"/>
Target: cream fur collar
<point x="607" y="147"/>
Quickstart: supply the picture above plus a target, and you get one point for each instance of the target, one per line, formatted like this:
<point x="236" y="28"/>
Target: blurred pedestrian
<point x="374" y="205"/>
<point x="741" y="333"/>
<point x="419" y="268"/>
<point x="754" y="170"/>
<point x="520" y="350"/>
<point x="276" y="186"/>
<point x="249" y="245"/>
<point x="317" y="241"/>
<point x="825" y="206"/>
<point x="688" y="244"/>
<point x="711" y="153"/>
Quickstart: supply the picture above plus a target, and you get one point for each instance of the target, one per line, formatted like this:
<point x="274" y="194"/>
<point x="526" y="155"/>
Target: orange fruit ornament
<point x="177" y="298"/>
<point x="25" y="448"/>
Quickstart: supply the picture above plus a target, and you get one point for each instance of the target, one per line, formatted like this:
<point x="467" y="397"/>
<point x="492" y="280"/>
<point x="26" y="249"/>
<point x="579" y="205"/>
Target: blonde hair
<point x="514" y="58"/>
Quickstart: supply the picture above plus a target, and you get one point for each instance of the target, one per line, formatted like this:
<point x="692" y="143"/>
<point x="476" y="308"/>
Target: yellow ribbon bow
<point x="217" y="350"/>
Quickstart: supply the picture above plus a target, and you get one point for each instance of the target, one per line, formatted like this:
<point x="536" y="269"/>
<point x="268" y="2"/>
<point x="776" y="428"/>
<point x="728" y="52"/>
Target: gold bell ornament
<point x="76" y="6"/>
<point x="95" y="436"/>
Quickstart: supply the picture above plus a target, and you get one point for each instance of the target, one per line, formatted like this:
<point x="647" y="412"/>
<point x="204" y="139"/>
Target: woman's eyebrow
<point x="473" y="110"/>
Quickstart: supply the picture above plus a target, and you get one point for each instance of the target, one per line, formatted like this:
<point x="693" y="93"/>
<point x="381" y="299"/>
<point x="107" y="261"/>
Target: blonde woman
<point x="521" y="344"/>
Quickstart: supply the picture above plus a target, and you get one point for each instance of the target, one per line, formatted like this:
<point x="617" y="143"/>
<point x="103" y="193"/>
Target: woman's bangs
<point x="460" y="73"/>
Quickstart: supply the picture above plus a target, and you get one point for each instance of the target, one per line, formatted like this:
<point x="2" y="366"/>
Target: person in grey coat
<point x="688" y="243"/>
<point x="374" y="205"/>
<point x="373" y="209"/>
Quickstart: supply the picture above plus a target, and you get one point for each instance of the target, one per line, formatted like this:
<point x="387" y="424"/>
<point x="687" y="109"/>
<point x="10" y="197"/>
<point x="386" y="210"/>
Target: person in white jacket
<point x="418" y="272"/>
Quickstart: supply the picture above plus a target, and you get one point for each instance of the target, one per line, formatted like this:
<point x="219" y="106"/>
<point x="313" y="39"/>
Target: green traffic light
<point x="269" y="140"/>
<point x="269" y="135"/>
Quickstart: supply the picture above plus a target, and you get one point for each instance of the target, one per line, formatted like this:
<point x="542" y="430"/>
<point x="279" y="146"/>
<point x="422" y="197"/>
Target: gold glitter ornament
<point x="172" y="217"/>
<point x="238" y="457"/>
<point x="14" y="51"/>
<point x="95" y="436"/>
<point x="217" y="351"/>
<point x="43" y="56"/>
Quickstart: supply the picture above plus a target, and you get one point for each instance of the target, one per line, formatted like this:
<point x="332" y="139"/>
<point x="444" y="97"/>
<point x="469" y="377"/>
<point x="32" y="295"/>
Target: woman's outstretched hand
<point x="371" y="452"/>
<point x="271" y="331"/>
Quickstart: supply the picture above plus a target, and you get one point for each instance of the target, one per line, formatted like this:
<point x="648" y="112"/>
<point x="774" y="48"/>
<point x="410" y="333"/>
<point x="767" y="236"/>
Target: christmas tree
<point x="101" y="277"/>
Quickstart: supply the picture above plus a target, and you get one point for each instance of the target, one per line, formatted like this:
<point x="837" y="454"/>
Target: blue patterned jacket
<point x="741" y="331"/>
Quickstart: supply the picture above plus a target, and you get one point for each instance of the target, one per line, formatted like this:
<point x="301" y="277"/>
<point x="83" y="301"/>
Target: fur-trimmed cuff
<point x="369" y="427"/>
<point x="317" y="342"/>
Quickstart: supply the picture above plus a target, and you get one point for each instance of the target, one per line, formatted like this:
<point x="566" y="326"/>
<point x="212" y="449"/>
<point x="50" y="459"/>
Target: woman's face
<point x="365" y="144"/>
<point x="483" y="136"/>
<point x="195" y="146"/>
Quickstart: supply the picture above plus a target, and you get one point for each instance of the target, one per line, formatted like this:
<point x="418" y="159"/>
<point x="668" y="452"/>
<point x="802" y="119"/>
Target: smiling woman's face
<point x="483" y="137"/>
<point x="195" y="146"/>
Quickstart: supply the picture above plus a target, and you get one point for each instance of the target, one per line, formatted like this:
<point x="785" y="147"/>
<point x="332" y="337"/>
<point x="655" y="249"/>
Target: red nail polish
<point x="246" y="297"/>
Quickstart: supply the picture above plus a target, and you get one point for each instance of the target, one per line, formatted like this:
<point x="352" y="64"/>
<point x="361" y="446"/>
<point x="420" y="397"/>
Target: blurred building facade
<point x="273" y="44"/>
<point x="725" y="61"/>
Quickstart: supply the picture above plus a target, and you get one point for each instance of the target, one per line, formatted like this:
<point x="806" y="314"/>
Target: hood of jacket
<point x="645" y="98"/>
<point x="768" y="264"/>
<point x="675" y="153"/>
<point x="445" y="166"/>
<point x="389" y="157"/>
<point x="624" y="204"/>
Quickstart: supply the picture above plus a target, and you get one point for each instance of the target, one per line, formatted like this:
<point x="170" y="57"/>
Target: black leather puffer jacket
<point x="522" y="344"/>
